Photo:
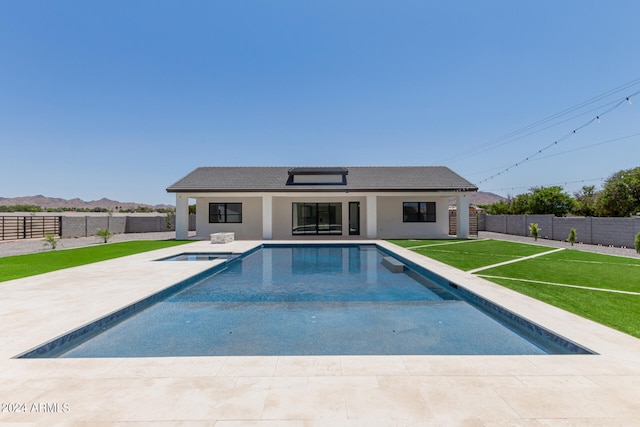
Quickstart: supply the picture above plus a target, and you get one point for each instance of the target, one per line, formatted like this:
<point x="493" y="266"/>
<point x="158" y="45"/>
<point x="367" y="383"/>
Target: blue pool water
<point x="310" y="300"/>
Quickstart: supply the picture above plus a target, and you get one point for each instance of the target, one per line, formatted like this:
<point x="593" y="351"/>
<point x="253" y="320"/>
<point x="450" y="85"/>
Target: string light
<point x="585" y="147"/>
<point x="545" y="123"/>
<point x="581" y="181"/>
<point x="573" y="132"/>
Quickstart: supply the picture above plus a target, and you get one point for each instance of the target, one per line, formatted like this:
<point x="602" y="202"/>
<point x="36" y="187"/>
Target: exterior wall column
<point x="182" y="217"/>
<point x="267" y="217"/>
<point x="462" y="216"/>
<point x="372" y="217"/>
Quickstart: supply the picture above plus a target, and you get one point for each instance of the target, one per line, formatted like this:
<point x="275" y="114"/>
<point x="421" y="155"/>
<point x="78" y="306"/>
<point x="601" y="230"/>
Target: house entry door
<point x="354" y="218"/>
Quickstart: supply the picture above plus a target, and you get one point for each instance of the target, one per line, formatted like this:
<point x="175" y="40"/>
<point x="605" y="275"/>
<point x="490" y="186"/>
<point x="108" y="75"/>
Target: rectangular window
<point x="225" y="212"/>
<point x="316" y="218"/>
<point x="419" y="212"/>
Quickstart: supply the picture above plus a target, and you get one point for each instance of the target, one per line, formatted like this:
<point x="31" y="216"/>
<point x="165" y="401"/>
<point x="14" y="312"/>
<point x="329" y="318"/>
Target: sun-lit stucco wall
<point x="249" y="229"/>
<point x="390" y="225"/>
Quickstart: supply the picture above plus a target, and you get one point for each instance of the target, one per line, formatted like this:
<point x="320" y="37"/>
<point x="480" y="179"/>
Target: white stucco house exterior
<point x="264" y="203"/>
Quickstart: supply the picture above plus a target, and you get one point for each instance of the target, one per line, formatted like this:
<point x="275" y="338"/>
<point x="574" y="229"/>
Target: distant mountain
<point x="480" y="198"/>
<point x="54" y="202"/>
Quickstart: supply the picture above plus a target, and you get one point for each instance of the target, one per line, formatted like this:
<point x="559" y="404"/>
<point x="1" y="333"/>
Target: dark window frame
<point x="424" y="212"/>
<point x="228" y="216"/>
<point x="311" y="210"/>
<point x="354" y="218"/>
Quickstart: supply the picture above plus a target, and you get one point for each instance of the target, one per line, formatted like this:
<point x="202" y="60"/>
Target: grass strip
<point x="409" y="243"/>
<point x="16" y="267"/>
<point x="618" y="311"/>
<point x="576" y="268"/>
<point x="561" y="284"/>
<point x="481" y="253"/>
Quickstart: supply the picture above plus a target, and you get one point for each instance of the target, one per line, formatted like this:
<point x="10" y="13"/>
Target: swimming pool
<point x="312" y="300"/>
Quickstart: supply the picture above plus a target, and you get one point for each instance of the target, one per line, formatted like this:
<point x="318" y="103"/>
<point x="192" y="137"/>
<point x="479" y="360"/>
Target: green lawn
<point x="412" y="243"/>
<point x="618" y="311"/>
<point x="15" y="267"/>
<point x="576" y="268"/>
<point x="478" y="253"/>
<point x="571" y="267"/>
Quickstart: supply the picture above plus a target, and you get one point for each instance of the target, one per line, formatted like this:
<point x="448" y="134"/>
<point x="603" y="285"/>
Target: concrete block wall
<point x="544" y="221"/>
<point x="148" y="224"/>
<point x="117" y="224"/>
<point x="495" y="223"/>
<point x="83" y="226"/>
<point x="517" y="225"/>
<point x="590" y="230"/>
<point x="615" y="231"/>
<point x="74" y="226"/>
<point x="96" y="222"/>
<point x="583" y="226"/>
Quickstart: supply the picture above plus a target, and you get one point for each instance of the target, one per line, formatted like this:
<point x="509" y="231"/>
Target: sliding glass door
<point x="317" y="218"/>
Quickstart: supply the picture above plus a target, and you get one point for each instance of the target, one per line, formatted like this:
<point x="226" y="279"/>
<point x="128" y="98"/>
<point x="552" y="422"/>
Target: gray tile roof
<point x="359" y="178"/>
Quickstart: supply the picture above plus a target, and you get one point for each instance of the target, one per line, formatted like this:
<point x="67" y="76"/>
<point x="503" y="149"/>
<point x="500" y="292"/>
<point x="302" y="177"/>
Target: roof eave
<point x="315" y="190"/>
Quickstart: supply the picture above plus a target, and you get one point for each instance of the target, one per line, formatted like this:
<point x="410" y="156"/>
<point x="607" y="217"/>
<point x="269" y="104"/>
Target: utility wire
<point x="561" y="153"/>
<point x="565" y="137"/>
<point x="510" y="137"/>
<point x="548" y="185"/>
<point x="587" y="146"/>
<point x="538" y="131"/>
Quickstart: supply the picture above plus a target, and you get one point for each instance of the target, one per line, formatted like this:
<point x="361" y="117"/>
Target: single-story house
<point x="262" y="203"/>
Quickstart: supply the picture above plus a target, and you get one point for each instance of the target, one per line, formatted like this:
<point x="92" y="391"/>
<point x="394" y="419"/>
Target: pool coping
<point x="562" y="387"/>
<point x="540" y="336"/>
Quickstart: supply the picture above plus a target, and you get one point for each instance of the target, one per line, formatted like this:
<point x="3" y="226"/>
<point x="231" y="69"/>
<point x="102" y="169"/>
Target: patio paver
<point x="296" y="391"/>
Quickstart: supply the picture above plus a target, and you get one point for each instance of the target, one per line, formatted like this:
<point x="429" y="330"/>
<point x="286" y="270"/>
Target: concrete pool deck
<point x="286" y="391"/>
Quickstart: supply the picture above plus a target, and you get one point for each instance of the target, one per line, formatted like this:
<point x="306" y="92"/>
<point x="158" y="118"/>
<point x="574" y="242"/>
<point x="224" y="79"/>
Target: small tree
<point x="104" y="234"/>
<point x="50" y="239"/>
<point x="638" y="242"/>
<point x="572" y="236"/>
<point x="534" y="230"/>
<point x="168" y="218"/>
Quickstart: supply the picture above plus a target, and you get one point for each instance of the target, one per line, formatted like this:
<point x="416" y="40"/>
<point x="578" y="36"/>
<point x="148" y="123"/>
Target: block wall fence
<point x="591" y="230"/>
<point x="83" y="226"/>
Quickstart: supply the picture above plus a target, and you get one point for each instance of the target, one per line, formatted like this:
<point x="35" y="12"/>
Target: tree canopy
<point x="550" y="200"/>
<point x="619" y="197"/>
<point x="539" y="200"/>
<point x="621" y="194"/>
<point x="586" y="201"/>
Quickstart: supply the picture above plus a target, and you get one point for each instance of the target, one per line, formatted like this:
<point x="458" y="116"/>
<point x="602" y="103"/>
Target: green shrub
<point x="638" y="242"/>
<point x="104" y="234"/>
<point x="50" y="239"/>
<point x="534" y="230"/>
<point x="572" y="236"/>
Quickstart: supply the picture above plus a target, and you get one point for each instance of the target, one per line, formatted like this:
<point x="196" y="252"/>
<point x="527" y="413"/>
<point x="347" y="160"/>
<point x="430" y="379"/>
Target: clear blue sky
<point x="120" y="99"/>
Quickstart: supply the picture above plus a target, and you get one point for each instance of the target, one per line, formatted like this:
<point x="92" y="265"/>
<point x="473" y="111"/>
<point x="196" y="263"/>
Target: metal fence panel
<point x="29" y="227"/>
